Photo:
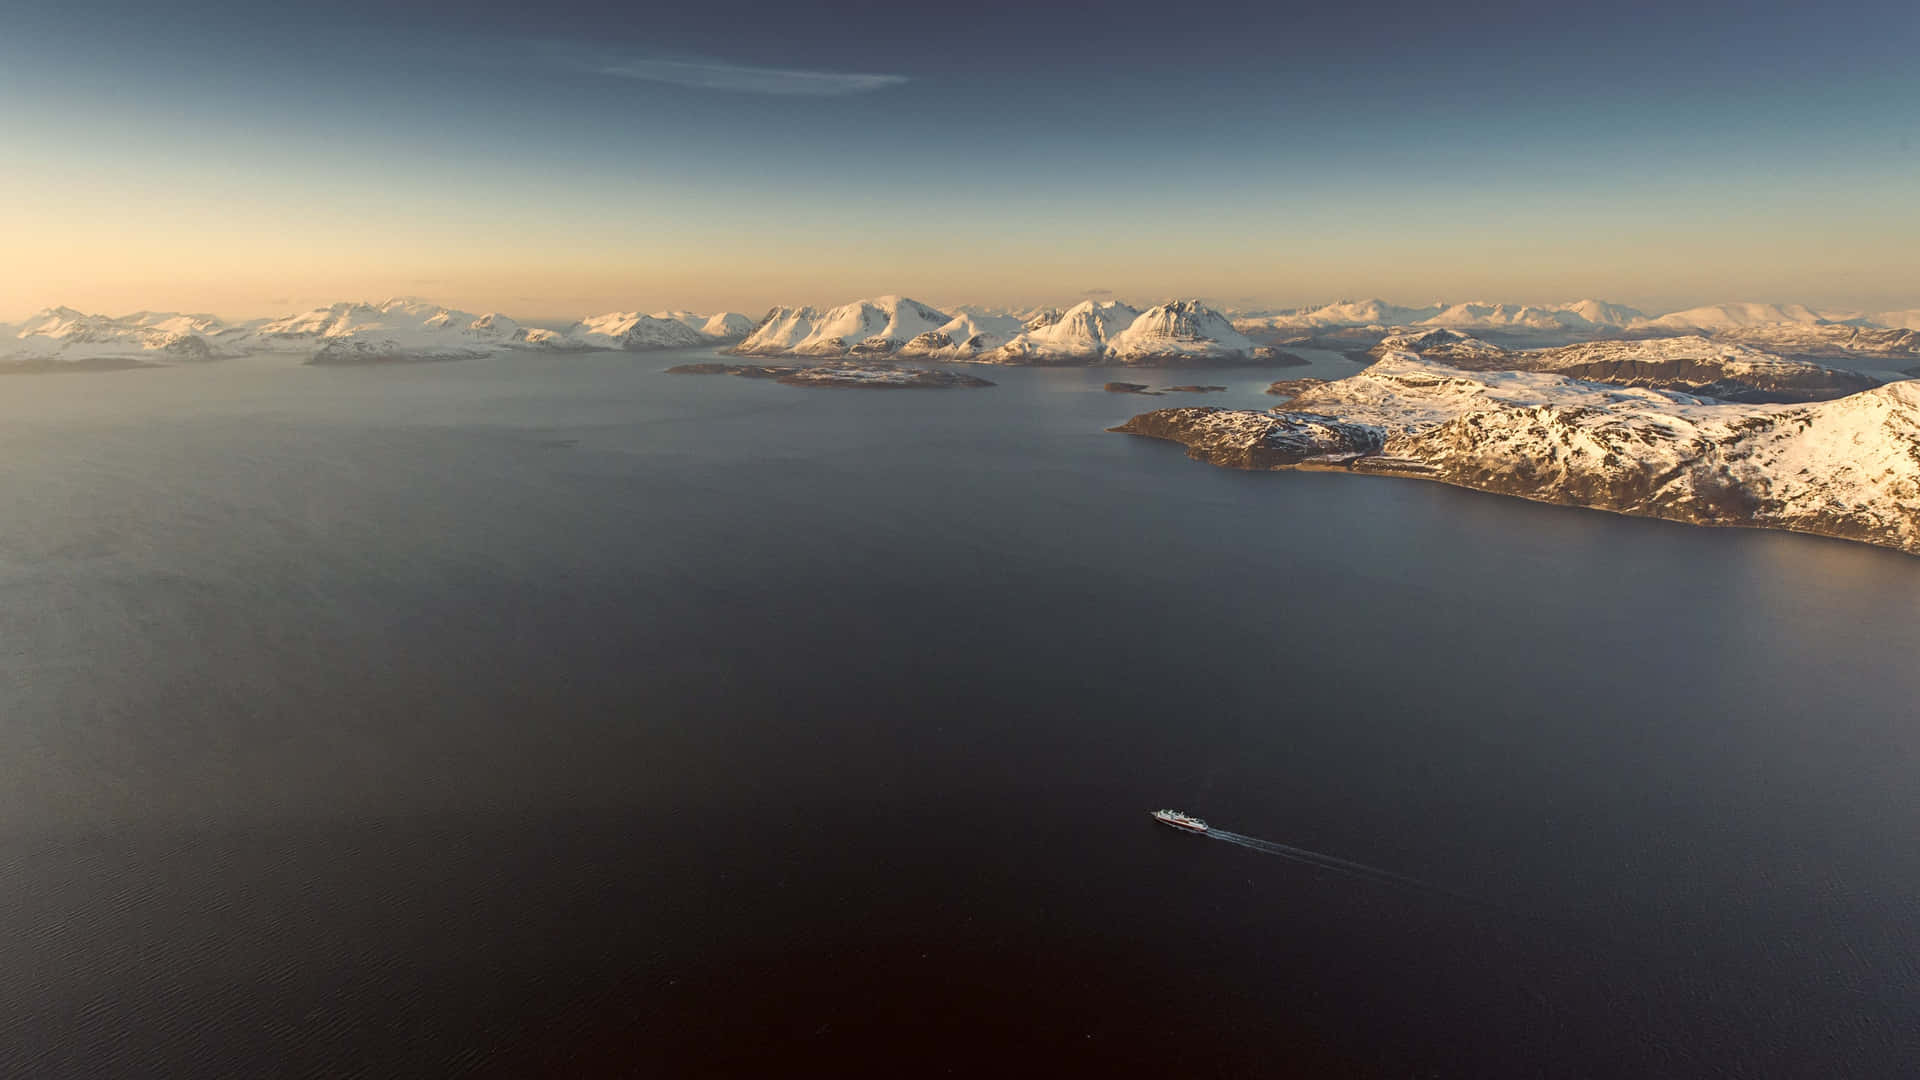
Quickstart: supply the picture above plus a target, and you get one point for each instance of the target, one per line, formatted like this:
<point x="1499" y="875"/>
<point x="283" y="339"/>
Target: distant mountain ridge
<point x="1088" y="332"/>
<point x="1578" y="314"/>
<point x="1796" y="330"/>
<point x="966" y="335"/>
<point x="351" y="332"/>
<point x="1690" y="363"/>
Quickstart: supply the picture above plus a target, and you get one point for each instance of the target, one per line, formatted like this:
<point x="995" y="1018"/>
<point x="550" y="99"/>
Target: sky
<point x="570" y="157"/>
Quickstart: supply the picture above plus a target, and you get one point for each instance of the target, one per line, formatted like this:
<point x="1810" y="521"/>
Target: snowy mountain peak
<point x="1096" y="319"/>
<point x="779" y="330"/>
<point x="1181" y="331"/>
<point x="1604" y="313"/>
<point x="61" y="322"/>
<point x="56" y="314"/>
<point x="350" y="318"/>
<point x="1729" y="316"/>
<point x="1079" y="334"/>
<point x="176" y="322"/>
<point x="727" y="326"/>
<point x="633" y="330"/>
<point x="721" y="327"/>
<point x="1184" y="320"/>
<point x="410" y="305"/>
<point x="964" y="337"/>
<point x="494" y="324"/>
<point x="879" y="325"/>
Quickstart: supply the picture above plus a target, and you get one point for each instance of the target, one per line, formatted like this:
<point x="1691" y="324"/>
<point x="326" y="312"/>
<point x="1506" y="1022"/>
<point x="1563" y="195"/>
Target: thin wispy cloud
<point x="744" y="78"/>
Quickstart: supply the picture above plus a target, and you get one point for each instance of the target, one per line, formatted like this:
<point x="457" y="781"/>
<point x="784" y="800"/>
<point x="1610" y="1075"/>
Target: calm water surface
<point x="545" y="716"/>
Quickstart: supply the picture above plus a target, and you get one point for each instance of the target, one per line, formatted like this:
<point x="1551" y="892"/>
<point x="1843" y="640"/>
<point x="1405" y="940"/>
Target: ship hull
<point x="1173" y="819"/>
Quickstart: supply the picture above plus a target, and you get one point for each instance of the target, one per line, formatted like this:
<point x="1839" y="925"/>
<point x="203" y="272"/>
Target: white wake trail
<point x="1327" y="862"/>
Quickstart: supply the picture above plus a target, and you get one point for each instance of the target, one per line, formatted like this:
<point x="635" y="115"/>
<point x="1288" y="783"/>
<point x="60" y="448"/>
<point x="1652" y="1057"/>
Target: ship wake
<point x="1328" y="862"/>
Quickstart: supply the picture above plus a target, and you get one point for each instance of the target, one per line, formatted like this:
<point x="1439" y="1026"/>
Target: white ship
<point x="1178" y="820"/>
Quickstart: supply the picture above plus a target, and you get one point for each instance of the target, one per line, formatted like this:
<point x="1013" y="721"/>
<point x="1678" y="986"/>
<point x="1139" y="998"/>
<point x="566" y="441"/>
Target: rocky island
<point x="859" y="376"/>
<point x="1146" y="390"/>
<point x="1846" y="467"/>
<point x="1287" y="389"/>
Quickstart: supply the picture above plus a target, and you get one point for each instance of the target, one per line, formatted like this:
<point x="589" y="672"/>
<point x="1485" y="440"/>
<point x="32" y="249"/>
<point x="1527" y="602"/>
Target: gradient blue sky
<point x="571" y="157"/>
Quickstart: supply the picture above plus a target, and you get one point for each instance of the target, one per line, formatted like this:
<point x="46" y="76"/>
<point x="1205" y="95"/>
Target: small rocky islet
<point x="845" y="375"/>
<point x="1146" y="390"/>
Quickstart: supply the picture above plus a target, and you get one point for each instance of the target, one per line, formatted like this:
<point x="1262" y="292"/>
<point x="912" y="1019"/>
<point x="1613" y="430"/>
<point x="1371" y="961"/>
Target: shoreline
<point x="1375" y="464"/>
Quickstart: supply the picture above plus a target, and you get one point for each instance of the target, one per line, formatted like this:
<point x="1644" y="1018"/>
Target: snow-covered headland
<point x="1847" y="467"/>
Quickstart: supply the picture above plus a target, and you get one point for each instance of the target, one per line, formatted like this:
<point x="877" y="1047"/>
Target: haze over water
<point x="540" y="712"/>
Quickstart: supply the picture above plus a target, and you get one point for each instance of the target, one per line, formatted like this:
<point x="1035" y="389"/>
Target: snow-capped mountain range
<point x="368" y="333"/>
<point x="726" y="326"/>
<point x="1579" y="315"/>
<point x="1080" y="332"/>
<point x="400" y="329"/>
<point x="414" y="327"/>
<point x="64" y="336"/>
<point x="864" y="327"/>
<point x="1102" y="331"/>
<point x="967" y="335"/>
<point x="1090" y="332"/>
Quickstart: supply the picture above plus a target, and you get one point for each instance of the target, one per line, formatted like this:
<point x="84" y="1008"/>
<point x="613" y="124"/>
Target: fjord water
<point x="554" y="715"/>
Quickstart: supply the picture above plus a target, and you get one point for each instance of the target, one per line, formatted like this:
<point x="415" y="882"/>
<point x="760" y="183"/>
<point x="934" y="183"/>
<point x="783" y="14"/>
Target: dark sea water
<point x="554" y="716"/>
